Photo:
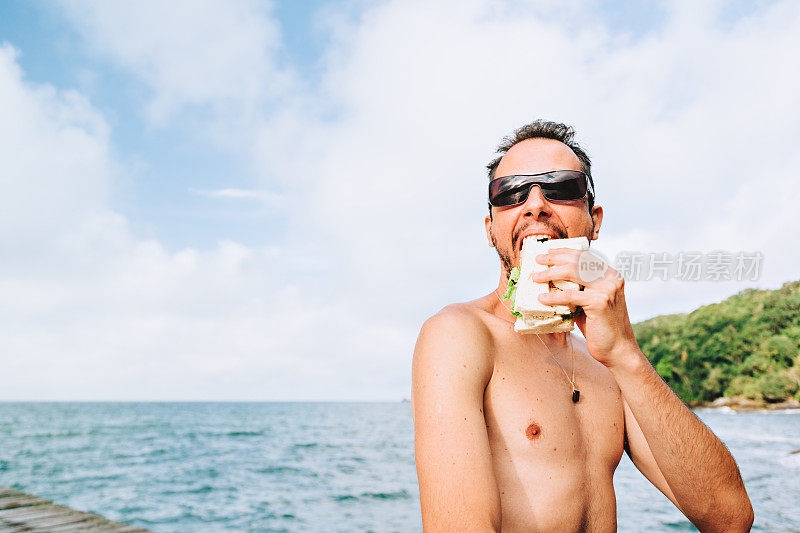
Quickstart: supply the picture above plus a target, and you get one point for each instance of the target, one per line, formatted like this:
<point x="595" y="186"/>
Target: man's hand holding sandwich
<point x="604" y="321"/>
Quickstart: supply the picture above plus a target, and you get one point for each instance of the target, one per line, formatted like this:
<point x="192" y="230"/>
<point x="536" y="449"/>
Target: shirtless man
<point x="499" y="443"/>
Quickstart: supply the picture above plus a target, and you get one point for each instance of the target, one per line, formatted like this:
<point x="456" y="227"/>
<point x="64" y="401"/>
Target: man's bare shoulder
<point x="457" y="335"/>
<point x="463" y="322"/>
<point x="453" y="359"/>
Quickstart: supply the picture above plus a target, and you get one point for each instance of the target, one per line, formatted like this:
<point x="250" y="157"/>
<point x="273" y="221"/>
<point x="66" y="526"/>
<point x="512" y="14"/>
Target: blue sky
<point x="226" y="178"/>
<point x="165" y="162"/>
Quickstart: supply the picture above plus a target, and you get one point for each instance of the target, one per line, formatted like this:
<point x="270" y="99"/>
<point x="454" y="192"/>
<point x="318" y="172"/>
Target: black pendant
<point x="576" y="395"/>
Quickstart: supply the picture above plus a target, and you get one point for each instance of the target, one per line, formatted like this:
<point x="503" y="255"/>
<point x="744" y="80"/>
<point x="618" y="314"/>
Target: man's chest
<point x="530" y="415"/>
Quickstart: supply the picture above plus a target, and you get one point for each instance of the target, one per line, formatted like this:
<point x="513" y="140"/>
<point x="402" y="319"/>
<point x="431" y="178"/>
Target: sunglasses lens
<point x="511" y="197"/>
<point x="571" y="188"/>
<point x="557" y="186"/>
<point x="508" y="190"/>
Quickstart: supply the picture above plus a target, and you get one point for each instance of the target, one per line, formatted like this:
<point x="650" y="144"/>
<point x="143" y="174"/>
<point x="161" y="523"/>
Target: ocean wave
<point x="77" y="480"/>
<point x="205" y="489"/>
<point x="244" y="433"/>
<point x="283" y="469"/>
<point x="397" y="495"/>
<point x="57" y="434"/>
<point x="682" y="526"/>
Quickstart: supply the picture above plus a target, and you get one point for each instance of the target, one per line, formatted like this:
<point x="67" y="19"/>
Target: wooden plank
<point x="77" y="522"/>
<point x="45" y="516"/>
<point x="10" y="514"/>
<point x="21" y="512"/>
<point x="91" y="523"/>
<point x="21" y="501"/>
<point x="28" y="517"/>
<point x="95" y="527"/>
<point x="73" y="518"/>
<point x="17" y="495"/>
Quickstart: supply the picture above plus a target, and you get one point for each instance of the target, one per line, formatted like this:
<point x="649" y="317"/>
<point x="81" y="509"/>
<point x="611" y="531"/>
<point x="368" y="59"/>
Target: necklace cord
<point x="571" y="349"/>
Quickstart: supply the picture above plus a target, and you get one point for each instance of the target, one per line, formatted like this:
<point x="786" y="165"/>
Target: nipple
<point x="533" y="431"/>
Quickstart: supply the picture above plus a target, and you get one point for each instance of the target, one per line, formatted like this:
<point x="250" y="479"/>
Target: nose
<point x="536" y="204"/>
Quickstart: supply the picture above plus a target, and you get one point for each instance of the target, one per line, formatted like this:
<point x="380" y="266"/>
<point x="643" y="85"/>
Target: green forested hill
<point x="747" y="345"/>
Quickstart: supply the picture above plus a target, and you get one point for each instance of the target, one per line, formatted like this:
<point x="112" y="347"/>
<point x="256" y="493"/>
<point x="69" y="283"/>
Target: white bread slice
<point x="553" y="324"/>
<point x="526" y="300"/>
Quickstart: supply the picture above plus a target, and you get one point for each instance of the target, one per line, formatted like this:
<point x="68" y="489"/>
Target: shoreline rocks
<point x="738" y="403"/>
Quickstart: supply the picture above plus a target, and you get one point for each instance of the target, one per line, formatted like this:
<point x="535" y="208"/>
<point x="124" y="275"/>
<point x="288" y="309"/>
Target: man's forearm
<point x="699" y="469"/>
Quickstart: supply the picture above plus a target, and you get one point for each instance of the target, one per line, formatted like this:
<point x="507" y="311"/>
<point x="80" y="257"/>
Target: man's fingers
<point x="570" y="298"/>
<point x="557" y="256"/>
<point x="567" y="272"/>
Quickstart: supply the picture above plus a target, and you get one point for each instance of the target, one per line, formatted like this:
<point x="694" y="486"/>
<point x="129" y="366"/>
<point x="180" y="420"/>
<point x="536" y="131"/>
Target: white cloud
<point x="206" y="53"/>
<point x="691" y="129"/>
<point x="35" y="197"/>
<point x="268" y="198"/>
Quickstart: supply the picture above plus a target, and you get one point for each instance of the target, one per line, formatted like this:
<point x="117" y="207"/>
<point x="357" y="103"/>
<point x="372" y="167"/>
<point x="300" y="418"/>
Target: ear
<point x="488" y="223"/>
<point x="597" y="219"/>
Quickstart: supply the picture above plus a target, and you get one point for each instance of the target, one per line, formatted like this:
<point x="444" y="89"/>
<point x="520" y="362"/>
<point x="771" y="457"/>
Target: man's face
<point x="538" y="215"/>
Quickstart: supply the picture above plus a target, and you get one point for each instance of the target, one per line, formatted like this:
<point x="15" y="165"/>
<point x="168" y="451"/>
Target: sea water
<point x="208" y="467"/>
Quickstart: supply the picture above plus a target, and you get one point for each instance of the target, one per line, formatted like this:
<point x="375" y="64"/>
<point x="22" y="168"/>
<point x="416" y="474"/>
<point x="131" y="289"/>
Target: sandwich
<point x="532" y="315"/>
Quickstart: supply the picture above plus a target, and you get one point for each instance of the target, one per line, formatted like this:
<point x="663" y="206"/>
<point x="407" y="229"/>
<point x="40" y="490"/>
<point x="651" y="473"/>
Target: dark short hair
<point x="544" y="129"/>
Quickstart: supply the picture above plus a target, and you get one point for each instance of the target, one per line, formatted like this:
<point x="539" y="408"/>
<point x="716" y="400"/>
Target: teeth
<point x="539" y="238"/>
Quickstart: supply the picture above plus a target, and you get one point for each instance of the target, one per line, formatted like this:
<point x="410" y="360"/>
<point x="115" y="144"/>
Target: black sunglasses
<point x="556" y="186"/>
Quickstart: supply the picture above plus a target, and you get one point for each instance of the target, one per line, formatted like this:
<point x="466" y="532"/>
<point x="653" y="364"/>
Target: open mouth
<point x="536" y="236"/>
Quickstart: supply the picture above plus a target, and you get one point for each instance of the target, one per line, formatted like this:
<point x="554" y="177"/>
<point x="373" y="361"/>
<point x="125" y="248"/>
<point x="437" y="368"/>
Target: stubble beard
<point x="505" y="258"/>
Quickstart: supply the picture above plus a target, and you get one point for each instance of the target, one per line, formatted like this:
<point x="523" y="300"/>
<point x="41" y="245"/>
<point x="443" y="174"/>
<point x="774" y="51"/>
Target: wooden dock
<point x="24" y="512"/>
